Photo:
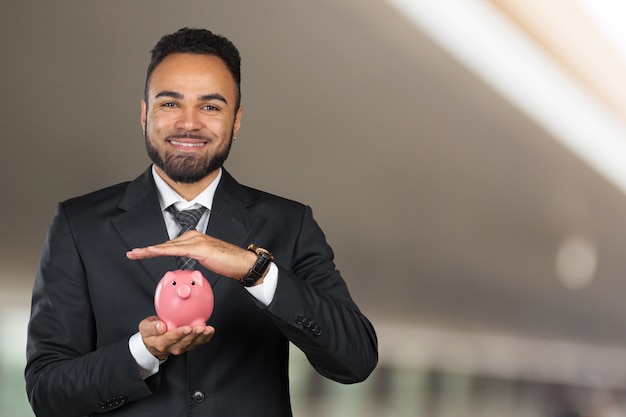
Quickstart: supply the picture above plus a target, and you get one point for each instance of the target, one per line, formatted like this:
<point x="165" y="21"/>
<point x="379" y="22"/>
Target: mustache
<point x="188" y="135"/>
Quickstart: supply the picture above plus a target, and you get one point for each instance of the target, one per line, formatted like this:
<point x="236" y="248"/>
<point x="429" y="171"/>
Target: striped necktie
<point x="188" y="220"/>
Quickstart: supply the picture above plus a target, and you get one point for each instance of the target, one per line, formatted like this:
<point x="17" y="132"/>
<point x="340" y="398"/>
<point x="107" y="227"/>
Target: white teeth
<point x="189" y="145"/>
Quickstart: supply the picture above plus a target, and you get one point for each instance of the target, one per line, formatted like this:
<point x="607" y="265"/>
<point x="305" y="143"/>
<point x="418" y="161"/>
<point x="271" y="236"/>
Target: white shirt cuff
<point x="265" y="291"/>
<point x="147" y="363"/>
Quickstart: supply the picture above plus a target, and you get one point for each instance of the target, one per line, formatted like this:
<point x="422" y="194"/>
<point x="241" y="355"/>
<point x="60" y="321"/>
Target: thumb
<point x="160" y="327"/>
<point x="152" y="326"/>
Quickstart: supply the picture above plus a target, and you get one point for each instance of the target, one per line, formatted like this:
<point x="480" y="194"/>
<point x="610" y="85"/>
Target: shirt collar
<point x="167" y="195"/>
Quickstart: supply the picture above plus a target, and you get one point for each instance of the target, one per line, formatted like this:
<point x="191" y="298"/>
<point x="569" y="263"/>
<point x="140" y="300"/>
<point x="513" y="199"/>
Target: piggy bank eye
<point x="173" y="282"/>
<point x="193" y="282"/>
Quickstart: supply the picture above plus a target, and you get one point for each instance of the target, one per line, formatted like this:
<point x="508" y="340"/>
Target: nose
<point x="189" y="120"/>
<point x="184" y="291"/>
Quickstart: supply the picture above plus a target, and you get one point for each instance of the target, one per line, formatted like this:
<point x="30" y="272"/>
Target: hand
<point x="216" y="255"/>
<point x="162" y="342"/>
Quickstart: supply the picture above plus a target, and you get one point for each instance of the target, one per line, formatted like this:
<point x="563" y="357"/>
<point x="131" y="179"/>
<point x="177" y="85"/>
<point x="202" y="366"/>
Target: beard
<point x="187" y="169"/>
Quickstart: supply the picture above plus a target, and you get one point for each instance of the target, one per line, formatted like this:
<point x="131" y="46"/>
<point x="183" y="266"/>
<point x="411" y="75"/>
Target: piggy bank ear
<point x="169" y="276"/>
<point x="197" y="277"/>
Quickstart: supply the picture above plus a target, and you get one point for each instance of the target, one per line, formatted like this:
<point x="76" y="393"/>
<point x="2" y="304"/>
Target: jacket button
<point x="197" y="396"/>
<point x="299" y="319"/>
<point x="119" y="400"/>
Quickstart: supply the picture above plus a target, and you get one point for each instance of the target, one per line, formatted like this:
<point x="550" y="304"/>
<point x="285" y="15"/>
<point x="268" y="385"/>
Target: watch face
<point x="254" y="248"/>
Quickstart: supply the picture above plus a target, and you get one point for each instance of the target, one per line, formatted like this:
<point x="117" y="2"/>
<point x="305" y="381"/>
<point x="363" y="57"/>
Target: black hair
<point x="197" y="41"/>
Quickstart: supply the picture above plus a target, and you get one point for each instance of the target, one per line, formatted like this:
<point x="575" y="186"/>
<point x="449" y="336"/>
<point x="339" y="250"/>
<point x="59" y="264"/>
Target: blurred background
<point x="466" y="159"/>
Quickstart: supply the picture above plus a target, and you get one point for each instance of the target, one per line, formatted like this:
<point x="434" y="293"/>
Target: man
<point x="102" y="260"/>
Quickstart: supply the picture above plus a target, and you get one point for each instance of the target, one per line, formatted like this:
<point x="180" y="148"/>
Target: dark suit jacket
<point x="88" y="299"/>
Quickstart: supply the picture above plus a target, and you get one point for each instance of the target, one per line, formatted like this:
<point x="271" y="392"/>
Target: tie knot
<point x="188" y="219"/>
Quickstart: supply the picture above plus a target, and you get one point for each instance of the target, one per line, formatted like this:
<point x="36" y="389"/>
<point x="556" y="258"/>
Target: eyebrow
<point x="206" y="97"/>
<point x="214" y="96"/>
<point x="168" y="93"/>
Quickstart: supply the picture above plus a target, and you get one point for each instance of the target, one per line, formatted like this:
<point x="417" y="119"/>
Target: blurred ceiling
<point x="446" y="204"/>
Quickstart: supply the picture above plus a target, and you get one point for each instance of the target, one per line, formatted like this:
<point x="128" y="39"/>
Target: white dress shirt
<point x="264" y="292"/>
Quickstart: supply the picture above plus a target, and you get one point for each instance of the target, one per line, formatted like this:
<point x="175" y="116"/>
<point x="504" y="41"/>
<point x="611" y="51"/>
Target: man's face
<point x="190" y="118"/>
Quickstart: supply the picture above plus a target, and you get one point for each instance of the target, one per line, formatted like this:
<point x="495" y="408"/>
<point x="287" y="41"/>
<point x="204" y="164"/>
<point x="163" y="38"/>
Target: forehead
<point x="192" y="73"/>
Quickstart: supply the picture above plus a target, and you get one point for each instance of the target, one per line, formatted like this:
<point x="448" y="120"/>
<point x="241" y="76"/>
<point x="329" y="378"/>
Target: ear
<point x="198" y="277"/>
<point x="144" y="115"/>
<point x="237" y="123"/>
<point x="169" y="276"/>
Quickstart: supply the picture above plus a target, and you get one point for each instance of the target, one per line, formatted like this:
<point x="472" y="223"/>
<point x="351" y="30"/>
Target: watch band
<point x="259" y="268"/>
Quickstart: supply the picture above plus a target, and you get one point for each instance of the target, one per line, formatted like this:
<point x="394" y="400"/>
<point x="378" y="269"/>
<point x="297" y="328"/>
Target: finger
<point x="143" y="253"/>
<point x="152" y="326"/>
<point x="204" y="331"/>
<point x="197" y="337"/>
<point x="184" y="333"/>
<point x="157" y="339"/>
<point x="162" y="250"/>
<point x="184" y="245"/>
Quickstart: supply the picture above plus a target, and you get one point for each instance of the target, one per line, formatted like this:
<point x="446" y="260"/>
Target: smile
<point x="187" y="144"/>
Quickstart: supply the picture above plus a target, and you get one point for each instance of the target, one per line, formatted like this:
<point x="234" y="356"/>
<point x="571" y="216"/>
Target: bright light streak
<point x="505" y="58"/>
<point x="608" y="17"/>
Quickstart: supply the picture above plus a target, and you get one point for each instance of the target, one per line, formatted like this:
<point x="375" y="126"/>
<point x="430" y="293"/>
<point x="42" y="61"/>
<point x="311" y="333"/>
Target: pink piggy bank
<point x="183" y="297"/>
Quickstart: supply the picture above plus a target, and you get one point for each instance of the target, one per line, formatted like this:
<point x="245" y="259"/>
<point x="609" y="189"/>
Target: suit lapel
<point x="231" y="220"/>
<point x="141" y="224"/>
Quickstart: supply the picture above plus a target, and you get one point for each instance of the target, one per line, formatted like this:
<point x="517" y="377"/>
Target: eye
<point x="209" y="107"/>
<point x="173" y="282"/>
<point x="168" y="104"/>
<point x="193" y="282"/>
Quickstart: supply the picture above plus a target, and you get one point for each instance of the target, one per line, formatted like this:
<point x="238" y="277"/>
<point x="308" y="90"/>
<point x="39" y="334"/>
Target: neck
<point x="188" y="191"/>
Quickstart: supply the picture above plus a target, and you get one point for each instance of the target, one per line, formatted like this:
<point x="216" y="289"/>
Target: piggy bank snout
<point x="184" y="291"/>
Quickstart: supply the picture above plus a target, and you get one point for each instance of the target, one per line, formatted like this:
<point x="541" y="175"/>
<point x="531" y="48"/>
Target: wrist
<point x="259" y="268"/>
<point x="147" y="363"/>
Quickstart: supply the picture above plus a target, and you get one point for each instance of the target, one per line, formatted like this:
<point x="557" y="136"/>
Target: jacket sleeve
<point x="67" y="372"/>
<point x="313" y="308"/>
